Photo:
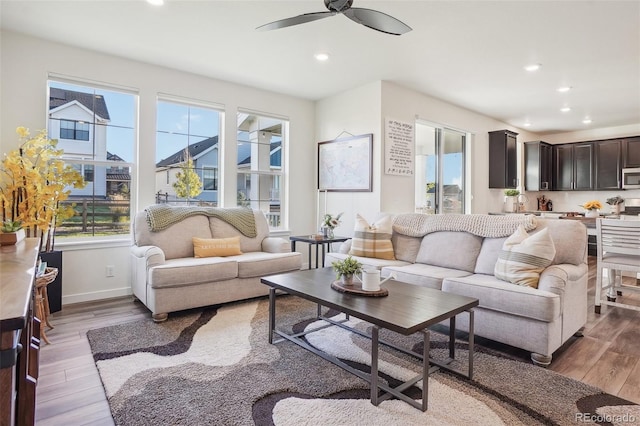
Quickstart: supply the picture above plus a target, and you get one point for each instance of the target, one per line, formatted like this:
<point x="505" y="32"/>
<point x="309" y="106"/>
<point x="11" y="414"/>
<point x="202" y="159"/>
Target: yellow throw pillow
<point x="373" y="240"/>
<point x="211" y="247"/>
<point x="523" y="257"/>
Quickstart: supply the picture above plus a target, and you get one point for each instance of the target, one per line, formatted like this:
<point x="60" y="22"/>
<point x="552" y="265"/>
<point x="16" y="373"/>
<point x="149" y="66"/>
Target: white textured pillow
<point x="373" y="240"/>
<point x="523" y="257"/>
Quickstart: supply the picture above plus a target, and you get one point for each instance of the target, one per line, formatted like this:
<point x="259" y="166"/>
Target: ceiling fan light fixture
<point x="370" y="18"/>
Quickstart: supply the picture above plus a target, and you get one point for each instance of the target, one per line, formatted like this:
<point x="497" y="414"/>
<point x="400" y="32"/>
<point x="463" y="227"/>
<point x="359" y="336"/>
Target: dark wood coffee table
<point x="408" y="309"/>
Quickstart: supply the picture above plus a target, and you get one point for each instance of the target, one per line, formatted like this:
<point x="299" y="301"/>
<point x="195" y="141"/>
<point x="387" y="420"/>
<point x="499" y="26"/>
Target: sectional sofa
<point x="459" y="255"/>
<point x="235" y="251"/>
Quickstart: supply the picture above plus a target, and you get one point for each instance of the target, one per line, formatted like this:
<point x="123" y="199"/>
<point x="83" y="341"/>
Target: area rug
<point x="214" y="366"/>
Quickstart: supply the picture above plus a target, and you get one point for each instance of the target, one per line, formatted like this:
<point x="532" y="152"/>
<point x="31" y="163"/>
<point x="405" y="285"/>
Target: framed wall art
<point x="346" y="164"/>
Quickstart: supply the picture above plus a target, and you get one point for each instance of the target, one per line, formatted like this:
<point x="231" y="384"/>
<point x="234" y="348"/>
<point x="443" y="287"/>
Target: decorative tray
<point x="356" y="288"/>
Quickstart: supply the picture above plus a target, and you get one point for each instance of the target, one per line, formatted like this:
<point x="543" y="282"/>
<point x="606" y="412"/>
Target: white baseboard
<point x="96" y="295"/>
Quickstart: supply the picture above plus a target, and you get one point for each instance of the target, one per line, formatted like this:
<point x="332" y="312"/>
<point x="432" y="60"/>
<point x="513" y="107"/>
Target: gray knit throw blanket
<point x="483" y="225"/>
<point x="161" y="216"/>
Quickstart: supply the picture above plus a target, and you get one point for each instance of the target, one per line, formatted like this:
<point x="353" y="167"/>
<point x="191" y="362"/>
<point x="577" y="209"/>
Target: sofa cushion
<point x="211" y="247"/>
<point x="523" y="257"/>
<point x="221" y="229"/>
<point x="404" y="247"/>
<point x="258" y="264"/>
<point x="488" y="256"/>
<point x="175" y="241"/>
<point x="505" y="297"/>
<point x="455" y="250"/>
<point x="423" y="275"/>
<point x="373" y="240"/>
<point x="191" y="270"/>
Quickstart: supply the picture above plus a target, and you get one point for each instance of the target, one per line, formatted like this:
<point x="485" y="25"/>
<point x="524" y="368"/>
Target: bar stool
<point x="618" y="251"/>
<point x="42" y="299"/>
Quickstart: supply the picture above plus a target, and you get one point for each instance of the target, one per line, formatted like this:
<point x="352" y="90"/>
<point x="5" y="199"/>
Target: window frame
<point x="81" y="161"/>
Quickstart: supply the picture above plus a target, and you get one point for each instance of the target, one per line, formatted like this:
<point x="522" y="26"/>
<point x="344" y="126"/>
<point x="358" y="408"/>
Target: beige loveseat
<point x="166" y="276"/>
<point x="538" y="320"/>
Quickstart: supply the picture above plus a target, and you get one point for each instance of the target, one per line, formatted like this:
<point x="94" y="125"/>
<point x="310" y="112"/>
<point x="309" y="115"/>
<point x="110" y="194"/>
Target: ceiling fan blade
<point x="296" y="20"/>
<point x="377" y="20"/>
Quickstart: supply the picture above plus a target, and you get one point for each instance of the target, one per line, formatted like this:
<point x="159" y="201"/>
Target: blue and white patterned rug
<point x="214" y="366"/>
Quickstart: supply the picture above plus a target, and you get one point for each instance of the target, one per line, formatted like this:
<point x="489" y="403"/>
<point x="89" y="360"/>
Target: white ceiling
<point x="469" y="53"/>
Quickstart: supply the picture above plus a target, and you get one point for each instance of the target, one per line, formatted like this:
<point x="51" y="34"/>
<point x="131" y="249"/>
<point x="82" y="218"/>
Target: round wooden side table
<point x="42" y="299"/>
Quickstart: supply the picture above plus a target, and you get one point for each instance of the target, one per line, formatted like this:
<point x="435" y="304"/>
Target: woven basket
<point x="49" y="275"/>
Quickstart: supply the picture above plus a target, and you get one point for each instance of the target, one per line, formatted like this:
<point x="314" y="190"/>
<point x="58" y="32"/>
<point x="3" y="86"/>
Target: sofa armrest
<point x="152" y="255"/>
<point x="276" y="245"/>
<point x="556" y="277"/>
<point x="345" y="247"/>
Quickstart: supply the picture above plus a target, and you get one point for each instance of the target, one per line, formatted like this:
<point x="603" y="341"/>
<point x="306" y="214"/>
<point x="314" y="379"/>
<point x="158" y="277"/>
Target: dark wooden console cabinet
<point x="19" y="334"/>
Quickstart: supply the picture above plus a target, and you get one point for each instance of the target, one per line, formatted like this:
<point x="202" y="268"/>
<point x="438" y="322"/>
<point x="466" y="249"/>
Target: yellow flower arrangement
<point x="592" y="205"/>
<point x="33" y="181"/>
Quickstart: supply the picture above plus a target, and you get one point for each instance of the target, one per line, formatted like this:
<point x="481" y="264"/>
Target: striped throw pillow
<point x="523" y="257"/>
<point x="373" y="240"/>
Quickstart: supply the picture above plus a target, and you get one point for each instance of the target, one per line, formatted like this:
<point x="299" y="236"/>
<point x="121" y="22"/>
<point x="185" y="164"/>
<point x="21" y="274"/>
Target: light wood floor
<point x="70" y="391"/>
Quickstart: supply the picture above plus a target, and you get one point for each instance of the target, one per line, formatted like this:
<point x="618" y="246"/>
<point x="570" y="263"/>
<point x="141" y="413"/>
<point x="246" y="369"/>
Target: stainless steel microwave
<point x="631" y="178"/>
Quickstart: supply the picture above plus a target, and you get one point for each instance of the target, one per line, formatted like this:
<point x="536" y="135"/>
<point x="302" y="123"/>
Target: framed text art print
<point x="346" y="164"/>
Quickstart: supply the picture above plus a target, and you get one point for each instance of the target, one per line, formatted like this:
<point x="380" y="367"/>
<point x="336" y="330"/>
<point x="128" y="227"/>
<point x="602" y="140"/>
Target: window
<point x="75" y="130"/>
<point x="106" y="118"/>
<point x="210" y="178"/>
<point x="187" y="152"/>
<point x="261" y="143"/>
<point x="440" y="169"/>
<point x="88" y="173"/>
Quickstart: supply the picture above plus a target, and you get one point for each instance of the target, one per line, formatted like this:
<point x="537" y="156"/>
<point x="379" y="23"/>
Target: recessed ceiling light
<point x="564" y="89"/>
<point x="565" y="109"/>
<point x="321" y="56"/>
<point x="587" y="121"/>
<point x="156" y="2"/>
<point x="527" y="124"/>
<point x="533" y="67"/>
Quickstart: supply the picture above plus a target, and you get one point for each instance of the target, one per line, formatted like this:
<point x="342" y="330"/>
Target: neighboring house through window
<point x="97" y="132"/>
<point x="187" y="133"/>
<point x="261" y="170"/>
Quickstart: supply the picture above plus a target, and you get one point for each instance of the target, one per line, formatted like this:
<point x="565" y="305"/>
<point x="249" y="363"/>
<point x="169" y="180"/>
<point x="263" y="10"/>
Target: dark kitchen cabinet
<point x="538" y="166"/>
<point x="607" y="164"/>
<point x="503" y="159"/>
<point x="631" y="152"/>
<point x="573" y="166"/>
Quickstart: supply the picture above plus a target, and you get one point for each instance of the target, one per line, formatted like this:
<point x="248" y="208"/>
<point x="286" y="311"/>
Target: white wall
<point x="354" y="112"/>
<point x="25" y="65"/>
<point x="407" y="105"/>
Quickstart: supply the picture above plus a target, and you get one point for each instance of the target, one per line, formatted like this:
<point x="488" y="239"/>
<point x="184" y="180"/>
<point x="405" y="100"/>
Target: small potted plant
<point x="12" y="232"/>
<point x="511" y="200"/>
<point x="346" y="268"/>
<point x="615" y="203"/>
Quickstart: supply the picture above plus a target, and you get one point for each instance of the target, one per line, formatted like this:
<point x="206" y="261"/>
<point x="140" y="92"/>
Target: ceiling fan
<point x="369" y="18"/>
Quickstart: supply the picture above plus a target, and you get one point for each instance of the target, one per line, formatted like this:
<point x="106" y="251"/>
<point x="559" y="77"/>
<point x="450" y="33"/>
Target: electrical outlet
<point x="109" y="270"/>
